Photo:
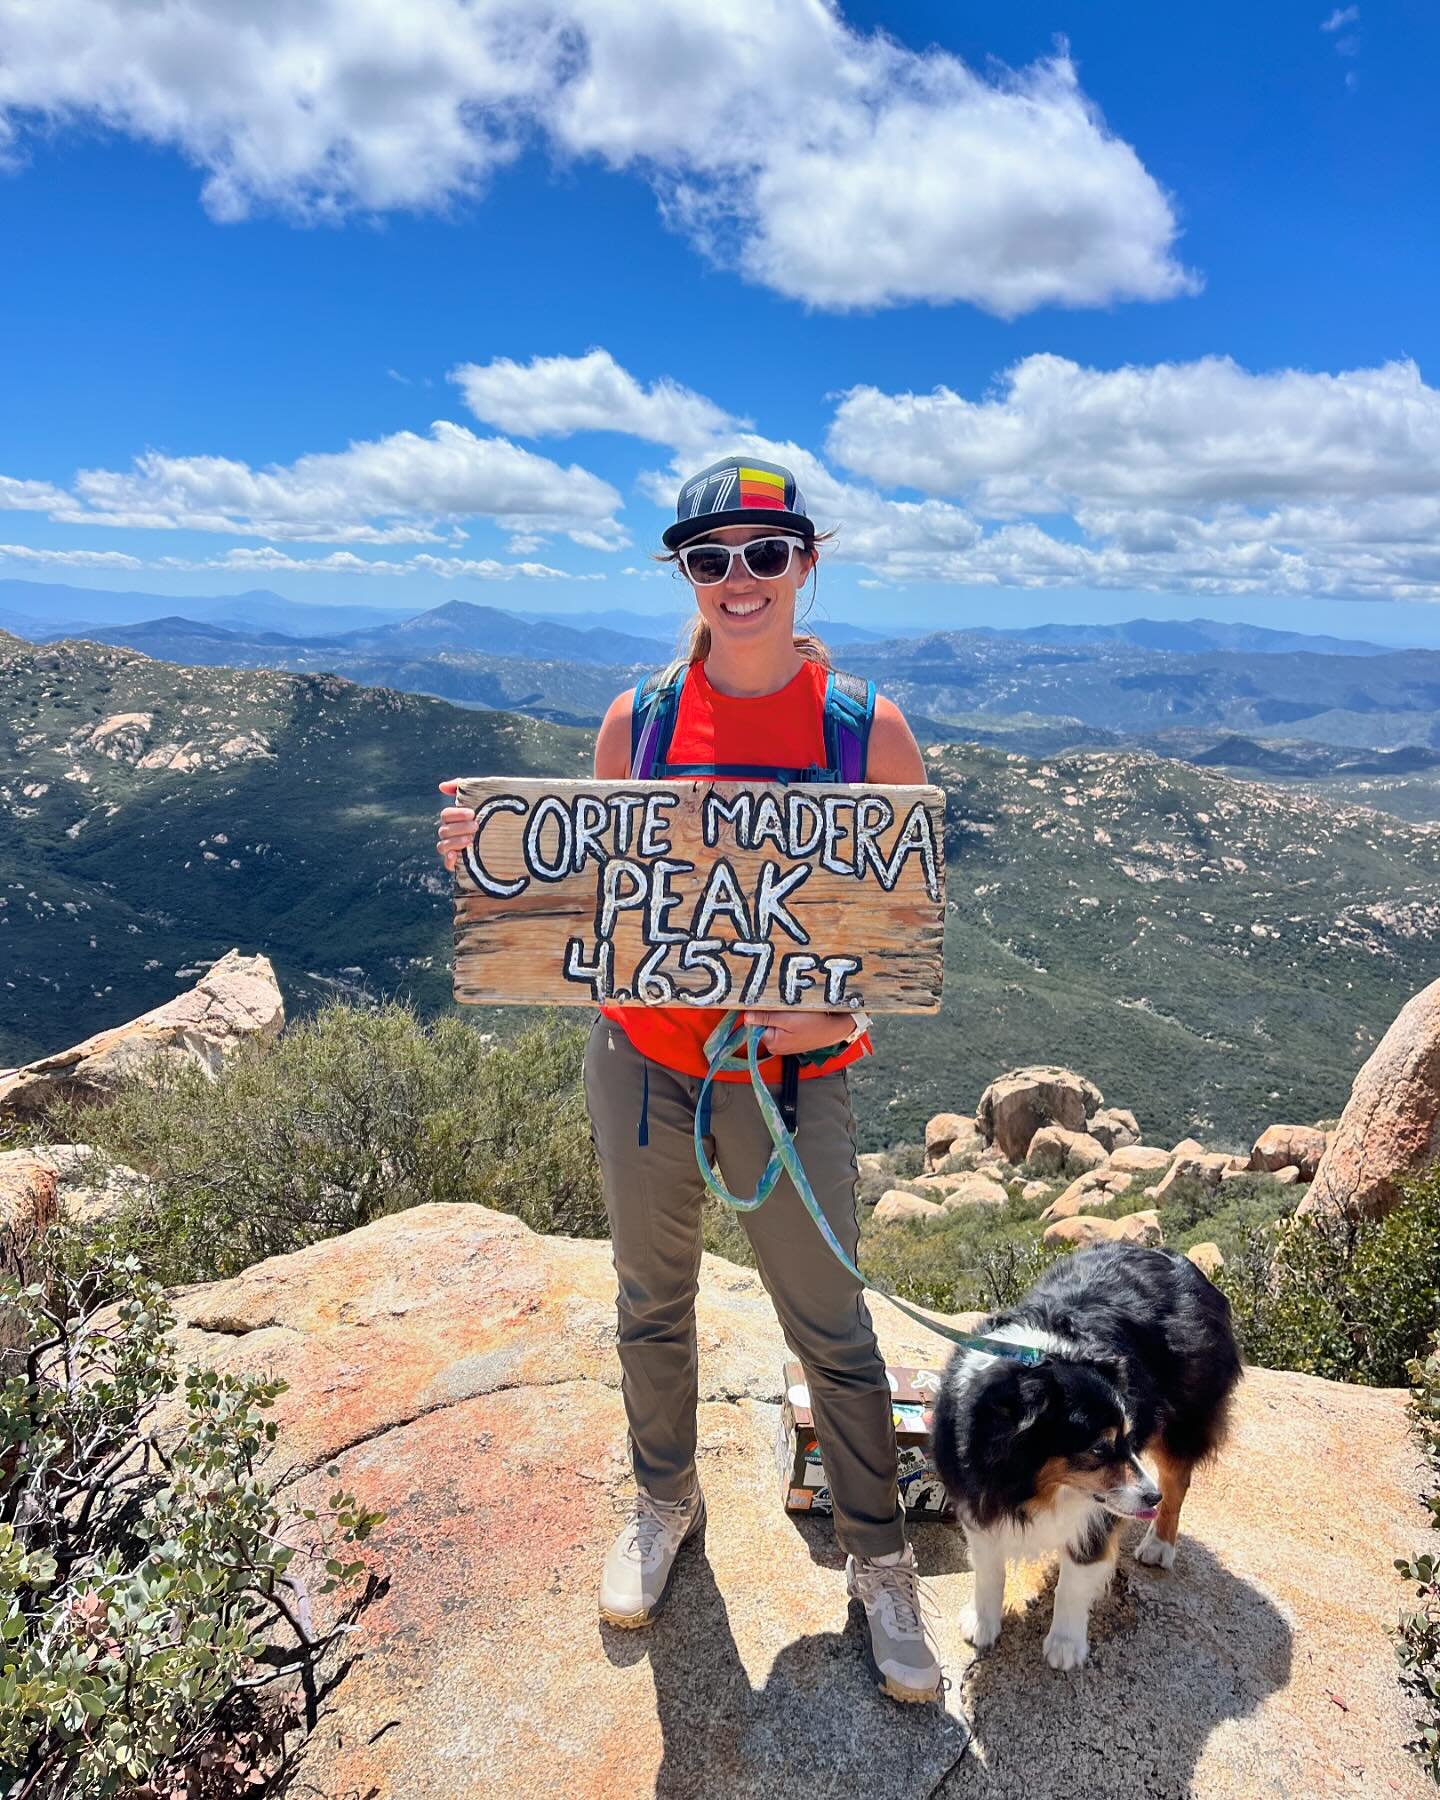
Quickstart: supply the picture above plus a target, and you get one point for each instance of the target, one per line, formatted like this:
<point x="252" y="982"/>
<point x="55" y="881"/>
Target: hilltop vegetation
<point x="1207" y="950"/>
<point x="151" y="816"/>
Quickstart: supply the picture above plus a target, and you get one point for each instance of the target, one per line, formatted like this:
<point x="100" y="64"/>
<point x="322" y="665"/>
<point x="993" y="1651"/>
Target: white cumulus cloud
<point x="30" y="496"/>
<point x="405" y="488"/>
<point x="269" y="561"/>
<point x="1200" y="477"/>
<point x="552" y="396"/>
<point x="834" y="165"/>
<point x="75" y="559"/>
<point x="1053" y="433"/>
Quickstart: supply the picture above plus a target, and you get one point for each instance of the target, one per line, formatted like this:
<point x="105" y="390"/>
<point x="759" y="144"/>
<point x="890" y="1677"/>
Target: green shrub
<point x="1425" y="1403"/>
<point x="1349" y="1299"/>
<point x="1229" y="1215"/>
<point x="975" y="1258"/>
<point x="347" y="1115"/>
<point x="1417" y="1637"/>
<point x="148" y="1582"/>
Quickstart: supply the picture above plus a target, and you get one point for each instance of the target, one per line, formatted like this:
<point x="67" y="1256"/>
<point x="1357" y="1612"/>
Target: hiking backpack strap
<point x="849" y="714"/>
<point x="653" y="707"/>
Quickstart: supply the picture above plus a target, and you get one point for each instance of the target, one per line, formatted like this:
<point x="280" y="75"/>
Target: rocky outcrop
<point x="1081" y="1229"/>
<point x="936" y="1187"/>
<point x="896" y="1205"/>
<point x="460" y="1374"/>
<point x="948" y="1134"/>
<point x="1279" y="1146"/>
<point x="1208" y="1258"/>
<point x="984" y="1184"/>
<point x="1391" y="1123"/>
<point x="1141" y="1159"/>
<point x="1206" y="1167"/>
<point x="1139" y="1228"/>
<point x="1055" y="1151"/>
<point x="1114" y="1127"/>
<point x="1014" y="1107"/>
<point x="1097" y="1187"/>
<point x="978" y="1189"/>
<point x="238" y="997"/>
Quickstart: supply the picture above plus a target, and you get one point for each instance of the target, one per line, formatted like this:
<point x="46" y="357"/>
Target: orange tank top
<point x="783" y="730"/>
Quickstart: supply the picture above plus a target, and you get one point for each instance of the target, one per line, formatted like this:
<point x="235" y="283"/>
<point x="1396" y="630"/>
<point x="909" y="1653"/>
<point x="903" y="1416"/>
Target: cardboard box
<point x="803" y="1484"/>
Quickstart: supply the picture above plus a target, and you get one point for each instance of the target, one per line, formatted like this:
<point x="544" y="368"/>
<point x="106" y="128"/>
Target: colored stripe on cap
<point x="762" y="487"/>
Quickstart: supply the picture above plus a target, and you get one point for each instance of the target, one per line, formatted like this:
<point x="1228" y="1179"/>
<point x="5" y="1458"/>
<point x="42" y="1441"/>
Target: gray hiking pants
<point x="654" y="1196"/>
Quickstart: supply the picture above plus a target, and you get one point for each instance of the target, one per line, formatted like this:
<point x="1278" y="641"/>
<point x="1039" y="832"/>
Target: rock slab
<point x="461" y="1373"/>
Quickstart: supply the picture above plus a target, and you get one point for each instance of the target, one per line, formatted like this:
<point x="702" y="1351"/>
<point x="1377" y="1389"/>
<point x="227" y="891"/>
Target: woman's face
<point x="742" y="610"/>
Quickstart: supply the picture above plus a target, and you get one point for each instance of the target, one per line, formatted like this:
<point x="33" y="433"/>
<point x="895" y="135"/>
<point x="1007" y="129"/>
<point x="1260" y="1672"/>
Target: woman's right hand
<point x="457" y="827"/>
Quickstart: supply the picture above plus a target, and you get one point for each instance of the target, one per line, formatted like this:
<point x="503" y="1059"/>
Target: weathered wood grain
<point x="613" y="877"/>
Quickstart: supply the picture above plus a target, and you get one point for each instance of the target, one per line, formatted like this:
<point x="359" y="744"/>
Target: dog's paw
<point x="982" y="1633"/>
<point x="1065" y="1649"/>
<point x="1154" y="1552"/>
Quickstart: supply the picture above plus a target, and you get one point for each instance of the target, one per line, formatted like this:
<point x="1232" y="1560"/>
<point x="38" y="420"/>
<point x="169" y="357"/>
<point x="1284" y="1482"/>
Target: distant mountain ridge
<point x="1190" y="636"/>
<point x="55" y="605"/>
<point x="35" y="608"/>
<point x="1370" y="701"/>
<point x="480" y="655"/>
<point x="462" y="625"/>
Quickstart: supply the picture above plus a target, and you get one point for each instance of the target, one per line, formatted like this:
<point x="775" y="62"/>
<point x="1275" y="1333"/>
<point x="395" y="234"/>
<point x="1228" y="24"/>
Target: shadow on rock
<point x="1172" y="1658"/>
<point x="818" y="1719"/>
<point x="939" y="1546"/>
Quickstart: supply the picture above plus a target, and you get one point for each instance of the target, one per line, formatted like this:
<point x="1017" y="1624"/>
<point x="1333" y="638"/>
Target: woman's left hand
<point x="793" y="1033"/>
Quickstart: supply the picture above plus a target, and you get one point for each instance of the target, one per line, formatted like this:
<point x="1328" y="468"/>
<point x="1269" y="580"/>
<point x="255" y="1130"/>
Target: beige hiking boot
<point x="640" y="1559"/>
<point x="888" y="1587"/>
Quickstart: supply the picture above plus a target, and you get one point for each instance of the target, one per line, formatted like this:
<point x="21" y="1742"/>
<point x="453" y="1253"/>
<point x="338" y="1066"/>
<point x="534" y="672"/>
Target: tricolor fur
<point x="1140" y="1361"/>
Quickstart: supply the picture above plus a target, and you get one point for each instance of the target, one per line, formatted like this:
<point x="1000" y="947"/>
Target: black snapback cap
<point x="738" y="490"/>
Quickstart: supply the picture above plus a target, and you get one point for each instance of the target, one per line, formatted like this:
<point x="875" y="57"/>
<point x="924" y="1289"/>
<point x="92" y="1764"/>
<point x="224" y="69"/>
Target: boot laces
<point x="906" y="1605"/>
<point x="652" y="1523"/>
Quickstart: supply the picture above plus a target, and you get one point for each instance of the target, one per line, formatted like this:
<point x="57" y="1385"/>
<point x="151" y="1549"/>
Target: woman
<point x="753" y="697"/>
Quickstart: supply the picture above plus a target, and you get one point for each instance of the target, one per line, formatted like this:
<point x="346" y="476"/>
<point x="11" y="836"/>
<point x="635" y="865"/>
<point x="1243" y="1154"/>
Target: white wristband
<point x="859" y="1027"/>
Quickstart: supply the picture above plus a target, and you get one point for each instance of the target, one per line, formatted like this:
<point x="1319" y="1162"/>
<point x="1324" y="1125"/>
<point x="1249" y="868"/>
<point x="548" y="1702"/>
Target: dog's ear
<point x="1018" y="1396"/>
<point x="1004" y="1449"/>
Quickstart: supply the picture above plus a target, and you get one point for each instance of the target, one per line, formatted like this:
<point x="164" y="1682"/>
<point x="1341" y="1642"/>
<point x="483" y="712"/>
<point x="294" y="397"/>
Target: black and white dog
<point x="1140" y="1359"/>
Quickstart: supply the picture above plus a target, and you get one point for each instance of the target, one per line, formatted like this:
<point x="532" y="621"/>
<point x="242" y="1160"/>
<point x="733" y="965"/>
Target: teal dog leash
<point x="722" y="1048"/>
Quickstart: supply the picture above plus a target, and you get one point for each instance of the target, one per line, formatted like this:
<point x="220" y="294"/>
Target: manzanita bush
<point x="148" y="1577"/>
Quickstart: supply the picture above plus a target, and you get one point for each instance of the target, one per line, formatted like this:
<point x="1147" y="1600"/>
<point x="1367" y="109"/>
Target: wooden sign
<point x="700" y="893"/>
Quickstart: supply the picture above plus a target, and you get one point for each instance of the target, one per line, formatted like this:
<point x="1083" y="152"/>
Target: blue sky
<point x="806" y="227"/>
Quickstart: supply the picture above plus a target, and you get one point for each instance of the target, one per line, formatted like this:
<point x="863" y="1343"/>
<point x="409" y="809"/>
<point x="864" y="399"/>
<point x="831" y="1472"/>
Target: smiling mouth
<point x="744" y="609"/>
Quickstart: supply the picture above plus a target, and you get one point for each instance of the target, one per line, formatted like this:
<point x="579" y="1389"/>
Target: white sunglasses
<point x="767" y="559"/>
